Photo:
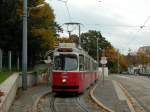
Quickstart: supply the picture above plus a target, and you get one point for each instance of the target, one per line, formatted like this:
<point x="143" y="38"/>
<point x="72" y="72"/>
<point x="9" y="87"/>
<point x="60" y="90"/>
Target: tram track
<point x="55" y="103"/>
<point x="52" y="103"/>
<point x="81" y="105"/>
<point x="73" y="104"/>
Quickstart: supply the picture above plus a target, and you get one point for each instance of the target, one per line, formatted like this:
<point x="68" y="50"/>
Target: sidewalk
<point x="25" y="99"/>
<point x="111" y="96"/>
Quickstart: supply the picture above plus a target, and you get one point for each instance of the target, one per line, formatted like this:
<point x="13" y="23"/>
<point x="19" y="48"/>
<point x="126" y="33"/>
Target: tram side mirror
<point x="48" y="61"/>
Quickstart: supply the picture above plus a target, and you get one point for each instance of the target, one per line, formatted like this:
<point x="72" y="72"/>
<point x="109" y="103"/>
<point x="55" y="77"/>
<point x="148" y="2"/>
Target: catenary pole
<point x="79" y="34"/>
<point x="118" y="62"/>
<point x="24" y="46"/>
<point x="103" y="54"/>
<point x="97" y="52"/>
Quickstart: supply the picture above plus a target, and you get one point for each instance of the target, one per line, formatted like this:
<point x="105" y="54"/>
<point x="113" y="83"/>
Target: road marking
<point x="132" y="103"/>
<point x="119" y="92"/>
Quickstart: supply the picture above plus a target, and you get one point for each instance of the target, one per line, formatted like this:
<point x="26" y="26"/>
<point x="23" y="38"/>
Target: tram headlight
<point x="64" y="80"/>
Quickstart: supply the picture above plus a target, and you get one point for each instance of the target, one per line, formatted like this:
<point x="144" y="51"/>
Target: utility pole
<point x="118" y="61"/>
<point x="9" y="58"/>
<point x="25" y="42"/>
<point x="24" y="46"/>
<point x="97" y="52"/>
<point x="69" y="32"/>
<point x="103" y="65"/>
<point x="79" y="35"/>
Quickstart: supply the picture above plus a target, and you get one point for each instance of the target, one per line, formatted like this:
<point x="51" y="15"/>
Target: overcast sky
<point x="118" y="20"/>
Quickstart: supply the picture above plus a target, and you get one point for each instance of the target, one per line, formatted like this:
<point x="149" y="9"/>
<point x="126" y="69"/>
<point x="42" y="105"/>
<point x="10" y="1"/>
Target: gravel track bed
<point x="67" y="103"/>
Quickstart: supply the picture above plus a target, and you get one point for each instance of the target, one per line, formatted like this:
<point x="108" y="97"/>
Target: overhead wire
<point x="66" y="5"/>
<point x="145" y="22"/>
<point x="115" y="25"/>
<point x="125" y="26"/>
<point x="141" y="27"/>
<point x="70" y="19"/>
<point x="69" y="15"/>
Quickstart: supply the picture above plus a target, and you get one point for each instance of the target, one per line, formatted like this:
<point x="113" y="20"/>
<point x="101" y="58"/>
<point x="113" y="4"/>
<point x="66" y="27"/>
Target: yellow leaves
<point x="19" y="9"/>
<point x="123" y="62"/>
<point x="46" y="35"/>
<point x="43" y="11"/>
<point x="34" y="12"/>
<point x="41" y="19"/>
<point x="36" y="2"/>
<point x="113" y="56"/>
<point x="111" y="53"/>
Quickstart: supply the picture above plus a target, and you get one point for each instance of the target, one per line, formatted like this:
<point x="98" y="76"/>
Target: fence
<point x="9" y="60"/>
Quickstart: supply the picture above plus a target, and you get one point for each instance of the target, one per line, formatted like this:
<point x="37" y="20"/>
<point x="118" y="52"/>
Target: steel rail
<point x="81" y="105"/>
<point x="52" y="99"/>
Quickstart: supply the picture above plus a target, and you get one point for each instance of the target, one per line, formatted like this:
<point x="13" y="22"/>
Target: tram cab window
<point x="81" y="62"/>
<point x="66" y="62"/>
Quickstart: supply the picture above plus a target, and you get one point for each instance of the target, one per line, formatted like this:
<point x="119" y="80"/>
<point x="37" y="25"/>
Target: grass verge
<point x="4" y="75"/>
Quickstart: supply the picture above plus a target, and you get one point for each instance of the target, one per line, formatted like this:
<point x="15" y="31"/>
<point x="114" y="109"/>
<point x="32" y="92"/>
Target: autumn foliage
<point x="114" y="57"/>
<point x="42" y="28"/>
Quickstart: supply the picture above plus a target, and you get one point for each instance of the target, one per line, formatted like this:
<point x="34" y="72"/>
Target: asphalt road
<point x="138" y="87"/>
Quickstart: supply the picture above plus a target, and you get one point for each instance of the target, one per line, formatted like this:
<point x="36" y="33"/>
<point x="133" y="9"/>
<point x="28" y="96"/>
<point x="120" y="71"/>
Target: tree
<point x="113" y="57"/>
<point x="89" y="40"/>
<point x="42" y="29"/>
<point x="123" y="63"/>
<point x="7" y="21"/>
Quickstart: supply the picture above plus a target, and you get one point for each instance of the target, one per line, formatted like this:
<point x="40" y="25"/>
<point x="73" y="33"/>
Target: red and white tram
<point x="74" y="70"/>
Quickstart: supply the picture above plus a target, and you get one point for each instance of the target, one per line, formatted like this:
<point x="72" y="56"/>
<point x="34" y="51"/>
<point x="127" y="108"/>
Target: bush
<point x="40" y="68"/>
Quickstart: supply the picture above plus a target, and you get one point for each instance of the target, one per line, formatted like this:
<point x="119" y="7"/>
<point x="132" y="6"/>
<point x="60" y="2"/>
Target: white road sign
<point x="103" y="60"/>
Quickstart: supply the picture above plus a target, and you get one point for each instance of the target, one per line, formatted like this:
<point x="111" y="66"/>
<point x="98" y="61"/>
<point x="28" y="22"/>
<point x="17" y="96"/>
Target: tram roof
<point x="74" y="47"/>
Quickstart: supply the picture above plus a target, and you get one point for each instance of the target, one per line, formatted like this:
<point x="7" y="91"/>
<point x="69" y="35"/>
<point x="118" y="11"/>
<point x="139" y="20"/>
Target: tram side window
<point x="86" y="66"/>
<point x="92" y="66"/>
<point x="88" y="63"/>
<point x="81" y="62"/>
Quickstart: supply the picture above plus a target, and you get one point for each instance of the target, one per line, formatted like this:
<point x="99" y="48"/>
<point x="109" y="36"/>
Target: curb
<point x="100" y="104"/>
<point x="34" y="107"/>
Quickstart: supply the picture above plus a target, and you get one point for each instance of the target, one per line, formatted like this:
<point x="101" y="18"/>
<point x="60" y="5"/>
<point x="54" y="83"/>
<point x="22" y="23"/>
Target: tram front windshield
<point x="66" y="62"/>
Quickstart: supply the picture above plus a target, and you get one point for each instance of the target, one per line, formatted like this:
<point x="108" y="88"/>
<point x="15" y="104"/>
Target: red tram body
<point x="74" y="70"/>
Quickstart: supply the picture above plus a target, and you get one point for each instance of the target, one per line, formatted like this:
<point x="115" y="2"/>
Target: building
<point x="145" y="50"/>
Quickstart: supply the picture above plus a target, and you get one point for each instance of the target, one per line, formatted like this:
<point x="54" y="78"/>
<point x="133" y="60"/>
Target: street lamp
<point x="24" y="44"/>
